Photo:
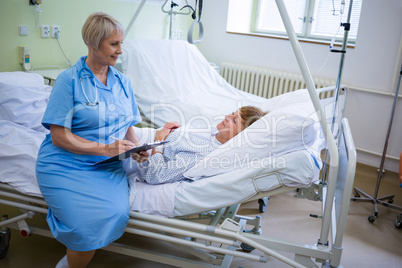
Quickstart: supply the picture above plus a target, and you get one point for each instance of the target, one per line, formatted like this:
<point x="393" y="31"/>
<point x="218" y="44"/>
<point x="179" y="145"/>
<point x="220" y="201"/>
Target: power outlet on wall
<point x="45" y="31"/>
<point x="56" y="31"/>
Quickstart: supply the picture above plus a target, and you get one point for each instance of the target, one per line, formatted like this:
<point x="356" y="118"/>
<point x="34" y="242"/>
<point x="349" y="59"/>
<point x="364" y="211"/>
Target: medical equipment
<point x="338" y="83"/>
<point x="25" y="58"/>
<point x="194" y="14"/>
<point x="197" y="21"/>
<point x="96" y="89"/>
<point x="388" y="198"/>
<point x="88" y="74"/>
<point x="96" y="93"/>
<point x="172" y="13"/>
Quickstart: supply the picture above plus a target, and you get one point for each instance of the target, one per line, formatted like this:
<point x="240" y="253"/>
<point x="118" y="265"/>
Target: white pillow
<point x="172" y="81"/>
<point x="290" y="125"/>
<point x="23" y="99"/>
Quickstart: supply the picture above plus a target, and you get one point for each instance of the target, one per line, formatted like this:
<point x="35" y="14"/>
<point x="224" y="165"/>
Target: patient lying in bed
<point x="188" y="145"/>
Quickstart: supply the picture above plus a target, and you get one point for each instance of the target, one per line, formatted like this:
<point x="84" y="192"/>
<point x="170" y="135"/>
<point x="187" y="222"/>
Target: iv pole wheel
<point x="356" y="194"/>
<point x="4" y="242"/>
<point x="372" y="218"/>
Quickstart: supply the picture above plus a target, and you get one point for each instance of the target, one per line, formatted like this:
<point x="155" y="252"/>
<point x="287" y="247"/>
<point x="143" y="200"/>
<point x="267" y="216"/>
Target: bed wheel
<point x="5" y="235"/>
<point x="246" y="247"/>
<point x="398" y="221"/>
<point x="263" y="203"/>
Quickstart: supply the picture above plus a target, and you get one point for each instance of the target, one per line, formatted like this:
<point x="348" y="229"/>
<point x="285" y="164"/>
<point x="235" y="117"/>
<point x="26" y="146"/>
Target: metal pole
<point x="343" y="52"/>
<point x="381" y="171"/>
<point x="137" y="12"/>
<point x="332" y="147"/>
<point x="171" y="19"/>
<point x="338" y="86"/>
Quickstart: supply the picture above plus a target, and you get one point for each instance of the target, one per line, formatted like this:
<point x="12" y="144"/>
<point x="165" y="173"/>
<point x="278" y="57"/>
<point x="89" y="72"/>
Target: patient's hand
<point x="171" y="126"/>
<point x="140" y="156"/>
<point x="162" y="134"/>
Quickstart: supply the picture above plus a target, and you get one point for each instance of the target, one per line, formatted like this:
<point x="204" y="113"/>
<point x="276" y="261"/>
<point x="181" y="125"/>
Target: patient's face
<point x="230" y="126"/>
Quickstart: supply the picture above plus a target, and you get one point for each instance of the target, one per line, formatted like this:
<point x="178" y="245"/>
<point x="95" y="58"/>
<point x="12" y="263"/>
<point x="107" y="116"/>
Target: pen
<point x="116" y="139"/>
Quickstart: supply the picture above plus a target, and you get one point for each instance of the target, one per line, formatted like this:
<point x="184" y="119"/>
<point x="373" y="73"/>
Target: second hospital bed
<point x="220" y="188"/>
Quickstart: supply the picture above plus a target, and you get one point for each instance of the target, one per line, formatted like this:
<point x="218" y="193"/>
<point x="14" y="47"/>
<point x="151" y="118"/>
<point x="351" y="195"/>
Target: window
<point x="312" y="20"/>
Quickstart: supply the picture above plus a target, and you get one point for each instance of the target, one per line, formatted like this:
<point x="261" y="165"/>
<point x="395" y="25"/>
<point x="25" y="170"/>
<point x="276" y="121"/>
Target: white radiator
<point x="265" y="82"/>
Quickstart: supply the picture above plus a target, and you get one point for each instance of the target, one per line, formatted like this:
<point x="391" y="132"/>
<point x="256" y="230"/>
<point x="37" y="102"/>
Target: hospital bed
<point x="190" y="89"/>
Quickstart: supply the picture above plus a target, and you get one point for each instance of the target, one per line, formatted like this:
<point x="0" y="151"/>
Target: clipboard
<point x="134" y="150"/>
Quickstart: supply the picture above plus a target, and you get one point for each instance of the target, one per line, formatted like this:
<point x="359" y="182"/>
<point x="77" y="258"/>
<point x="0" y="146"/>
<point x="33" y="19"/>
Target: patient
<point x="188" y="145"/>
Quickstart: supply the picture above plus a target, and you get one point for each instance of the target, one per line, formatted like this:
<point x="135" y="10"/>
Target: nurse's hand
<point x="119" y="147"/>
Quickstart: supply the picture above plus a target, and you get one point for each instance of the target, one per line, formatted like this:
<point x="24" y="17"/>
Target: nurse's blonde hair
<point x="98" y="27"/>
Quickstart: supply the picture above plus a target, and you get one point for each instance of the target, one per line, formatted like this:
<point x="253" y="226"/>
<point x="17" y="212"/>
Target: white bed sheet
<point x="23" y="99"/>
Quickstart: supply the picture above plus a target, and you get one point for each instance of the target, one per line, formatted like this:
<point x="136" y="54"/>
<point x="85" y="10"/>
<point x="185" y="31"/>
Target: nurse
<point x="91" y="105"/>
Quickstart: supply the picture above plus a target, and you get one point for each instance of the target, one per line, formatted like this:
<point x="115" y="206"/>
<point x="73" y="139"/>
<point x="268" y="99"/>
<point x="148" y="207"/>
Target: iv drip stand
<point x="337" y="87"/>
<point x="388" y="199"/>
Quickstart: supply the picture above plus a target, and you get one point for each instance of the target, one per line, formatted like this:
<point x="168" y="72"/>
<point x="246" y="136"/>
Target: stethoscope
<point x="89" y="73"/>
<point x="96" y="93"/>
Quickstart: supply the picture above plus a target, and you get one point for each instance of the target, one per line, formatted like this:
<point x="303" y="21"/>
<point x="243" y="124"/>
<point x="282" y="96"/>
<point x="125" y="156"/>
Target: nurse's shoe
<point x="63" y="263"/>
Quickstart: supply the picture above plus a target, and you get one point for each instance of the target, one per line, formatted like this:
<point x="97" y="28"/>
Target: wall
<point x="70" y="15"/>
<point x="372" y="64"/>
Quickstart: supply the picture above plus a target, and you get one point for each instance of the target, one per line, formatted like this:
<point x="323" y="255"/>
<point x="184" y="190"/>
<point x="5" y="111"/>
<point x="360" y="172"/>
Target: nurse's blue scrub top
<point x="88" y="205"/>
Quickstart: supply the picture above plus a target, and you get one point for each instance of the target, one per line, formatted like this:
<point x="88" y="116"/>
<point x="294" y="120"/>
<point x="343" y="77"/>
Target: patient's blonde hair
<point x="250" y="114"/>
<point x="98" y="27"/>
